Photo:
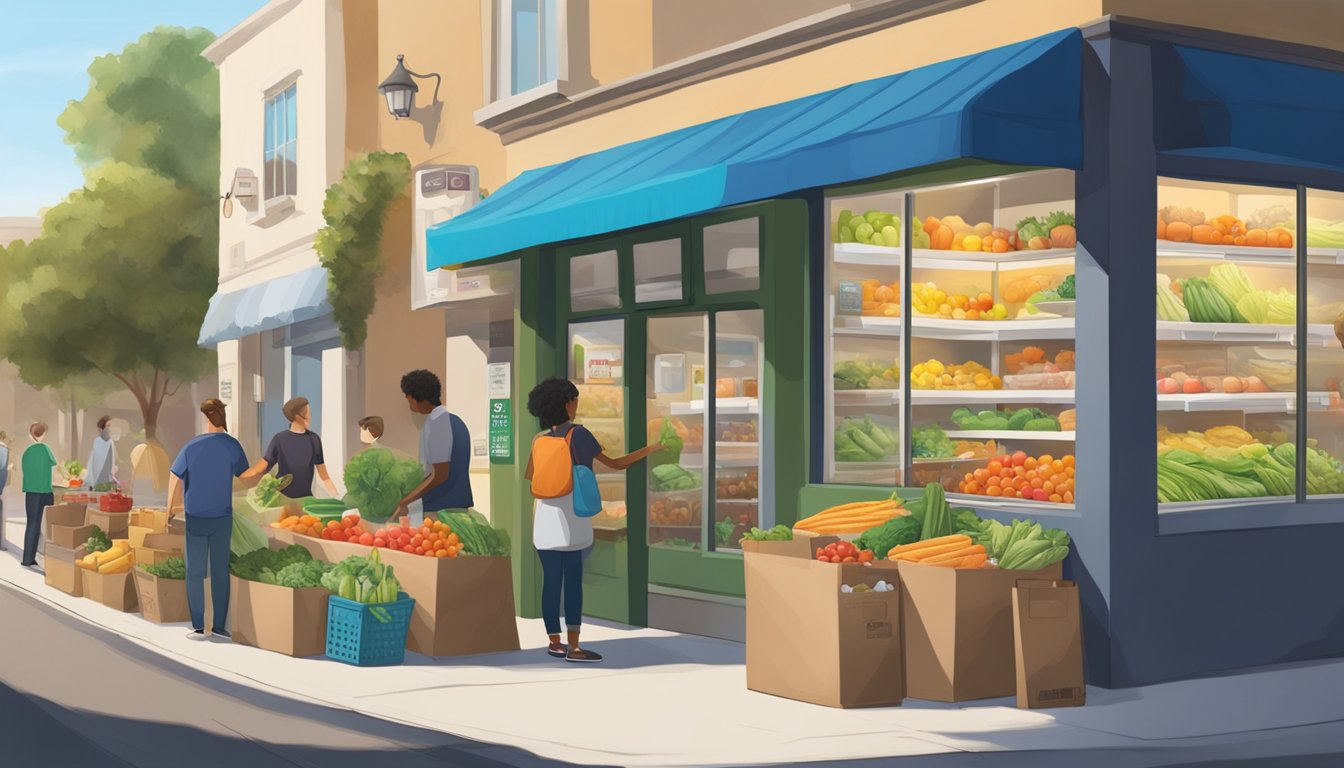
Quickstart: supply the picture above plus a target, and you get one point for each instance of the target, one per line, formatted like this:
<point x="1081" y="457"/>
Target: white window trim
<point x="273" y="210"/>
<point x="572" y="73"/>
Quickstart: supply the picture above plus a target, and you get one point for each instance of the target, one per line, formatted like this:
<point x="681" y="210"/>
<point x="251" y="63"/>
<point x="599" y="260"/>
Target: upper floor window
<point x="529" y="42"/>
<point x="281" y="143"/>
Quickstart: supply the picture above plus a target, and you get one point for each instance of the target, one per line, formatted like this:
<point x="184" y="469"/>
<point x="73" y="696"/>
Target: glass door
<point x="675" y="390"/>
<point x="597" y="368"/>
<point x="739" y="439"/>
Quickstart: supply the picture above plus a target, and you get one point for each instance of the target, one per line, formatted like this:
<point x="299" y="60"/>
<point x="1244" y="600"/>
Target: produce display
<point x="739" y="485"/>
<point x="600" y="402"/>
<point x="267" y="492"/>
<point x="672" y="443"/>
<point x="116" y="558"/>
<point x="1055" y="230"/>
<point x="366" y="580"/>
<point x="1229" y="463"/>
<point x="954" y="551"/>
<point x="1227" y="295"/>
<point x="723" y="531"/>
<point x="1322" y="233"/>
<point x="1019" y="290"/>
<point x="1034" y="360"/>
<point x="377" y="480"/>
<point x="674" y="512"/>
<point x="929" y="300"/>
<point x="844" y="552"/>
<point x="1024" y="545"/>
<point x="265" y="565"/>
<point x="778" y="533"/>
<point x="1065" y="291"/>
<point x="174" y="568"/>
<point x="903" y="529"/>
<point x="871" y="228"/>
<point x="866" y="374"/>
<point x="852" y="518"/>
<point x="1019" y="476"/>
<point x="247" y="536"/>
<point x="865" y="440"/>
<point x="880" y="299"/>
<point x="1180" y="382"/>
<point x="1006" y="419"/>
<point x="1182" y="225"/>
<point x="692" y="437"/>
<point x="477" y="535"/>
<point x="98" y="541"/>
<point x="930" y="442"/>
<point x="970" y="375"/>
<point x="71" y="471"/>
<point x="324" y="509"/>
<point x="672" y="477"/>
<point x="737" y="431"/>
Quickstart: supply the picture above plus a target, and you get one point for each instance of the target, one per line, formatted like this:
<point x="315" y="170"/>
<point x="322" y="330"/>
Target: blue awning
<point x="1226" y="106"/>
<point x="1017" y="104"/>
<point x="264" y="307"/>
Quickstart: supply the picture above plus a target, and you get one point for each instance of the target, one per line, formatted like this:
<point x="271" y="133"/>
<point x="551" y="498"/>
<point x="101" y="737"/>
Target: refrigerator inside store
<point x="992" y="354"/>
<point x="1227" y="373"/>
<point x="597" y="369"/>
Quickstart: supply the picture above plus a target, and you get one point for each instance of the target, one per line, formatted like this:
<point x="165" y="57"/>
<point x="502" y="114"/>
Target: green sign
<point x="501" y="431"/>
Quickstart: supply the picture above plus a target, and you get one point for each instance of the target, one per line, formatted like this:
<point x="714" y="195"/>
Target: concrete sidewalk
<point x="663" y="699"/>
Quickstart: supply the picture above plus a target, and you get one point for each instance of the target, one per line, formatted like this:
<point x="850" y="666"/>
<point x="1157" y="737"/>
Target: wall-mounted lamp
<point x="244" y="186"/>
<point x="399" y="88"/>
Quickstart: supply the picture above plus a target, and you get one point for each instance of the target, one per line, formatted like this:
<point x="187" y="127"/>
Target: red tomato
<point x="823" y="558"/>
<point x="850" y="560"/>
<point x="366" y="539"/>
<point x="820" y="553"/>
<point x="379" y="541"/>
<point x="326" y="533"/>
<point x="350" y="521"/>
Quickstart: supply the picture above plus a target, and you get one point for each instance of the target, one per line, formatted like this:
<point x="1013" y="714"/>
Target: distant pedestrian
<point x="205" y="469"/>
<point x="371" y="431"/>
<point x="103" y="458"/>
<point x="297" y="451"/>
<point x="445" y="449"/>
<point x="38" y="463"/>
<point x="5" y="467"/>
<point x="561" y="536"/>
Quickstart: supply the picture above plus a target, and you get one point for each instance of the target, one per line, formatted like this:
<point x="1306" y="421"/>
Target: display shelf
<point x="992" y="330"/>
<point x="599" y="419"/>
<point x="1173" y="250"/>
<point x="1009" y="505"/>
<point x="957" y="397"/>
<point x="863" y="255"/>
<point x="1318" y="335"/>
<point x="863" y="398"/>
<point x="878" y="327"/>
<point x="1325" y="256"/>
<point x="743" y="502"/>
<point x="724" y="406"/>
<point x="1010" y="434"/>
<point x="1246" y="402"/>
<point x="971" y="261"/>
<point x="1216" y="504"/>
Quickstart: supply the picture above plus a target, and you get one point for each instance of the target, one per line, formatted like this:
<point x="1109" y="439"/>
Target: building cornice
<point x="229" y="42"/>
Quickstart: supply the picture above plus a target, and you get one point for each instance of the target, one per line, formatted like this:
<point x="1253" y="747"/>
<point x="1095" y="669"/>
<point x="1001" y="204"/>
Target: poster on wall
<point x="500" y="390"/>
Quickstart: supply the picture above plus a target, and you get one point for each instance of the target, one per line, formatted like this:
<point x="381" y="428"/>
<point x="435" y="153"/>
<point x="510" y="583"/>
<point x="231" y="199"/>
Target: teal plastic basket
<point x="368" y="635"/>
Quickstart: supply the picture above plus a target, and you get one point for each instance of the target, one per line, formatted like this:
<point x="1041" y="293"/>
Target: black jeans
<point x="561" y="570"/>
<point x="35" y="503"/>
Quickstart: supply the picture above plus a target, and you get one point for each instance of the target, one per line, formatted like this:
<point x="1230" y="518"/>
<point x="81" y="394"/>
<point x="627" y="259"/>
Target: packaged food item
<point x="726" y="387"/>
<point x="749" y="388"/>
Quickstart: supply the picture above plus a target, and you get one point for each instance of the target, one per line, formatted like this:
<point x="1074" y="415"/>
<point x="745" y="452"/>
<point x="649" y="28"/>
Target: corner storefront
<point x="804" y="293"/>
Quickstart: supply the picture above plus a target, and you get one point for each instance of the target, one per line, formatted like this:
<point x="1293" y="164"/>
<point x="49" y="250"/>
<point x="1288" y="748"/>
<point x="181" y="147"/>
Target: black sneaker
<point x="196" y="634"/>
<point x="583" y="656"/>
<point x="558" y="650"/>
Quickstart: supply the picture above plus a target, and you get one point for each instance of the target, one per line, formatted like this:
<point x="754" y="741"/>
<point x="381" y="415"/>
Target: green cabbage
<point x="376" y="481"/>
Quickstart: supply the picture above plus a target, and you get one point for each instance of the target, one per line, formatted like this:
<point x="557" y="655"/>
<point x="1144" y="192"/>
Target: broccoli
<point x="931" y="442"/>
<point x="301" y="575"/>
<point x="1067" y="289"/>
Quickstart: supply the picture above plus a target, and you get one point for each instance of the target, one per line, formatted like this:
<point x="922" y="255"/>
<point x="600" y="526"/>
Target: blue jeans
<point x="32" y="535"/>
<point x="561" y="571"/>
<point x="208" y="548"/>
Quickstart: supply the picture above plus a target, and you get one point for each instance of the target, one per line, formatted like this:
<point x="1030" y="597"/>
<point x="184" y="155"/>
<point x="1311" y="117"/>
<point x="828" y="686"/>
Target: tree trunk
<point x="74" y="426"/>
<point x="149" y="410"/>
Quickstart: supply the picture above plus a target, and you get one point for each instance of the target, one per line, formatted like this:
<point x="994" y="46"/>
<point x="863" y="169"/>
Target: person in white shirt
<point x="103" y="458"/>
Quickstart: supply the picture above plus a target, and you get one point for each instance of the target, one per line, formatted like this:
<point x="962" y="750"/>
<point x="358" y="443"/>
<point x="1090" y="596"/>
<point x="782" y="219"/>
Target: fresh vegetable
<point x="71" y="469"/>
<point x="1043" y="478"/>
<point x="723" y="531"/>
<point x="304" y="575"/>
<point x="930" y="442"/>
<point x="1014" y="546"/>
<point x="880" y="586"/>
<point x="672" y="477"/>
<point x="872" y="228"/>
<point x="844" y="552"/>
<point x="1231" y="281"/>
<point x="934" y="374"/>
<point x="1169" y="305"/>
<point x="778" y="533"/>
<point x="118" y="558"/>
<point x="363" y="580"/>
<point x="929" y="547"/>
<point x="324" y="509"/>
<point x="864" y="440"/>
<point x="266" y="493"/>
<point x="1068" y="419"/>
<point x="937" y="514"/>
<point x="377" y="480"/>
<point x="247" y="536"/>
<point x="263" y="564"/>
<point x="1031" y="227"/>
<point x="881" y="539"/>
<point x="1188" y="216"/>
<point x="173" y="568"/>
<point x="98" y="541"/>
<point x="1207" y="304"/>
<point x="865" y="374"/>
<point x="672" y="443"/>
<point x="852" y="518"/>
<point x="477" y="535"/>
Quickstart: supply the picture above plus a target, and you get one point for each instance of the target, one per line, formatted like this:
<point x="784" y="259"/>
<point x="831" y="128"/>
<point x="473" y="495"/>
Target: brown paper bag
<point x="1048" y="642"/>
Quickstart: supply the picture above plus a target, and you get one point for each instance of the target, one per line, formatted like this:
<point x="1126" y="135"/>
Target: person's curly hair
<point x="547" y="401"/>
<point x="423" y="386"/>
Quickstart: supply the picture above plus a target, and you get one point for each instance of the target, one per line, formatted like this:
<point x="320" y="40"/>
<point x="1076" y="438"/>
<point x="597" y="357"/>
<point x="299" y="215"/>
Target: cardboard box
<point x="958" y="627"/>
<point x="65" y="525"/>
<point x="463" y="605"/>
<point x="114" y="524"/>
<point x="280" y="619"/>
<point x="178" y="526"/>
<point x="158" y="547"/>
<point x="162" y="600"/>
<point x="61" y="570"/>
<point x="807" y="640"/>
<point x="144" y="522"/>
<point x="115" y="590"/>
<point x="1048" y="644"/>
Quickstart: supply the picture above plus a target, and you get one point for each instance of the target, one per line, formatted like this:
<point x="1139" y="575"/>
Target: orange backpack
<point x="552" y="466"/>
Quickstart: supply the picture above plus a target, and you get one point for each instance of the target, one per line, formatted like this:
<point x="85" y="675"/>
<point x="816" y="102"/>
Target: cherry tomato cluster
<point x="844" y="552"/>
<point x="1018" y="475"/>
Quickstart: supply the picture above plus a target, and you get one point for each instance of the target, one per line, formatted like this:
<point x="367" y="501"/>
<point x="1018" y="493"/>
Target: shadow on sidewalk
<point x="622" y="653"/>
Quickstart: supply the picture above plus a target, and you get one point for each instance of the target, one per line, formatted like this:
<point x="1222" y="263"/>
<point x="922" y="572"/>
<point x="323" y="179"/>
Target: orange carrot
<point x="956" y="538"/>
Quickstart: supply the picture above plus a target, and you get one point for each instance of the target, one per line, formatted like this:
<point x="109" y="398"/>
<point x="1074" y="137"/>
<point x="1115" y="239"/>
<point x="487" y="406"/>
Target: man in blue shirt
<point x="445" y="449"/>
<point x="206" y="468"/>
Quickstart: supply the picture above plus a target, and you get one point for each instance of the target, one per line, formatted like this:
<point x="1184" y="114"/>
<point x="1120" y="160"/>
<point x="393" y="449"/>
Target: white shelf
<point x="726" y="406"/>
<point x="860" y="254"/>
<point x="855" y="325"/>
<point x="1007" y="505"/>
<point x="1009" y="434"/>
<point x="1246" y="402"/>
<point x="958" y="397"/>
<point x="992" y="330"/>
<point x="1178" y="507"/>
<point x="743" y="502"/>
<point x="1173" y="250"/>
<point x="1325" y="255"/>
<point x="1318" y="335"/>
<point x="864" y="398"/>
<point x="973" y="261"/>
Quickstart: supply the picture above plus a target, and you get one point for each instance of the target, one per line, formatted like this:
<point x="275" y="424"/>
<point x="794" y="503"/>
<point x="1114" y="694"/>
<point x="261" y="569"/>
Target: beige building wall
<point x="1304" y="22"/>
<point x="620" y="38"/>
<point x="683" y="28"/>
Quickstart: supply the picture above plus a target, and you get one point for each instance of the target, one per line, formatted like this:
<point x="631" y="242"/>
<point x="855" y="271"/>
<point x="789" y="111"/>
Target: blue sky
<point x="45" y="50"/>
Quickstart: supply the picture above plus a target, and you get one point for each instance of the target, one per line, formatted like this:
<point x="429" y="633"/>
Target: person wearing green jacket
<point x="38" y="462"/>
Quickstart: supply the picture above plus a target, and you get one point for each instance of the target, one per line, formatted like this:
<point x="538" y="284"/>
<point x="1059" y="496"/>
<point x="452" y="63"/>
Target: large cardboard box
<point x="144" y="522"/>
<point x="158" y="547"/>
<point x="162" y="600"/>
<point x="65" y="525"/>
<point x="61" y="570"/>
<point x="280" y="619"/>
<point x="1048" y="644"/>
<point x="114" y="524"/>
<point x="808" y="640"/>
<point x="463" y="605"/>
<point x="115" y="590"/>
<point x="958" y="627"/>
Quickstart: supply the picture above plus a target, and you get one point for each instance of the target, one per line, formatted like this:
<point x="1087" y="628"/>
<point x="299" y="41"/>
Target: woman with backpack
<point x="560" y="471"/>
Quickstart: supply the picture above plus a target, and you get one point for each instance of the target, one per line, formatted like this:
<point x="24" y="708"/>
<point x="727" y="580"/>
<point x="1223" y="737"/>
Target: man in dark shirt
<point x="298" y="453"/>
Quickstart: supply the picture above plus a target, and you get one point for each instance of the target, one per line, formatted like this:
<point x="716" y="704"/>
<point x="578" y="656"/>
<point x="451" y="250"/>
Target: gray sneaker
<point x="220" y="635"/>
<point x="196" y="634"/>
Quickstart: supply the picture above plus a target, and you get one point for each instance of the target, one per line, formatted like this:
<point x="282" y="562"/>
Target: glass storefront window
<point x="658" y="271"/>
<point x="739" y="358"/>
<point x="594" y="282"/>
<point x="1227" y="374"/>
<point x="733" y="256"/>
<point x="677" y="347"/>
<point x="596" y="366"/>
<point x="1325" y="355"/>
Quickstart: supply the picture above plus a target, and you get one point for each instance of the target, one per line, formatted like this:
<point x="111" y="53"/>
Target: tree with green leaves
<point x="349" y="246"/>
<point x="119" y="280"/>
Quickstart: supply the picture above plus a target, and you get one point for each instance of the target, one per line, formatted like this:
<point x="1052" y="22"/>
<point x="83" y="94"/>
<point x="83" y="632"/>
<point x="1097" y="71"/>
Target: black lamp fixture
<point x="399" y="88"/>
